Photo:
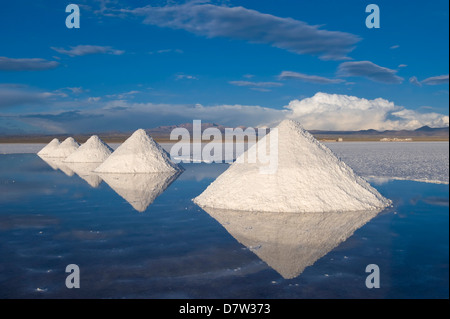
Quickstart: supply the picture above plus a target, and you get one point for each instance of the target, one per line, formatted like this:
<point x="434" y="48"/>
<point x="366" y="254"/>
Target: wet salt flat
<point x="376" y="161"/>
<point x="153" y="242"/>
<point x="421" y="161"/>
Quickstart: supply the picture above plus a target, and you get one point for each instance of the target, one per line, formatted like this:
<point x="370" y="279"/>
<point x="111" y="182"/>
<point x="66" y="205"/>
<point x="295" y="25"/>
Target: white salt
<point x="93" y="151"/>
<point x="308" y="178"/>
<point x="67" y="147"/>
<point x="49" y="148"/>
<point x="138" y="154"/>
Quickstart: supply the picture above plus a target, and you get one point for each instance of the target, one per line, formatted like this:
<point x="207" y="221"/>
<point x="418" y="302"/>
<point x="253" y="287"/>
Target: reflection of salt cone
<point x="85" y="171"/>
<point x="57" y="163"/>
<point x="140" y="190"/>
<point x="290" y="242"/>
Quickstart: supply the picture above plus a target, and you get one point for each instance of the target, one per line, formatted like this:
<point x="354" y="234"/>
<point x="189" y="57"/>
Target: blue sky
<point x="134" y="64"/>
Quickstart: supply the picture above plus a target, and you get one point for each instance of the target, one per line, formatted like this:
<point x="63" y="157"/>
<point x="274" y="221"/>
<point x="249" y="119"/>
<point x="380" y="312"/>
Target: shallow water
<point x="170" y="248"/>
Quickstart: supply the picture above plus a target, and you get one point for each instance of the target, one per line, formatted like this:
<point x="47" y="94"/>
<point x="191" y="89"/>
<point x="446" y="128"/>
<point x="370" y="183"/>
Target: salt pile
<point x="93" y="151"/>
<point x="290" y="242"/>
<point x="138" y="154"/>
<point x="139" y="190"/>
<point x="49" y="148"/>
<point x="67" y="147"/>
<point x="308" y="178"/>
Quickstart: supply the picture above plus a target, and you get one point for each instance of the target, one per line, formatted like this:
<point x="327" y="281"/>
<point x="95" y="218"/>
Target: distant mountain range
<point x="162" y="133"/>
<point x="422" y="133"/>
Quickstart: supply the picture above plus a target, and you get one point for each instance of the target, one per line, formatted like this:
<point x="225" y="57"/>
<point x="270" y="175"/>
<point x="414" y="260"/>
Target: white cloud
<point x="413" y="80"/>
<point x="256" y="84"/>
<point x="120" y="115"/>
<point x="15" y="96"/>
<point x="123" y="95"/>
<point x="342" y="112"/>
<point x="436" y="80"/>
<point x="167" y="51"/>
<point x="80" y="50"/>
<point x="260" y="89"/>
<point x="308" y="78"/>
<point x="249" y="25"/>
<point x="185" y="77"/>
<point x="34" y="64"/>
<point x="370" y="71"/>
<point x="98" y="114"/>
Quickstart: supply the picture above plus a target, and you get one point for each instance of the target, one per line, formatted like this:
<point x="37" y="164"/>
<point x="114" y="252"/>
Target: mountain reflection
<point x="290" y="242"/>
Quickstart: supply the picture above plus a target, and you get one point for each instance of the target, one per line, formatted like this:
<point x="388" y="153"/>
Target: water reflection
<point x="57" y="163"/>
<point x="85" y="172"/>
<point x="139" y="190"/>
<point x="290" y="242"/>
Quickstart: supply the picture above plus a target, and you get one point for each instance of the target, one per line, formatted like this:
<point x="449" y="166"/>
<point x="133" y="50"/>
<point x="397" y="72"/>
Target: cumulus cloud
<point x="343" y="112"/>
<point x="370" y="71"/>
<point x="249" y="25"/>
<point x="119" y="113"/>
<point x="285" y="75"/>
<point x="80" y="50"/>
<point x="33" y="64"/>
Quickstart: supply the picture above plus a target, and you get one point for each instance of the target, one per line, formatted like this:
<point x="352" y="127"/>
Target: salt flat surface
<point x="419" y="161"/>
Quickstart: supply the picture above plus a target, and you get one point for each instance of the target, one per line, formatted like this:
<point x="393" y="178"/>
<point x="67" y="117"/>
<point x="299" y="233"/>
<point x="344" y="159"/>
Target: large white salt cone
<point x="305" y="176"/>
